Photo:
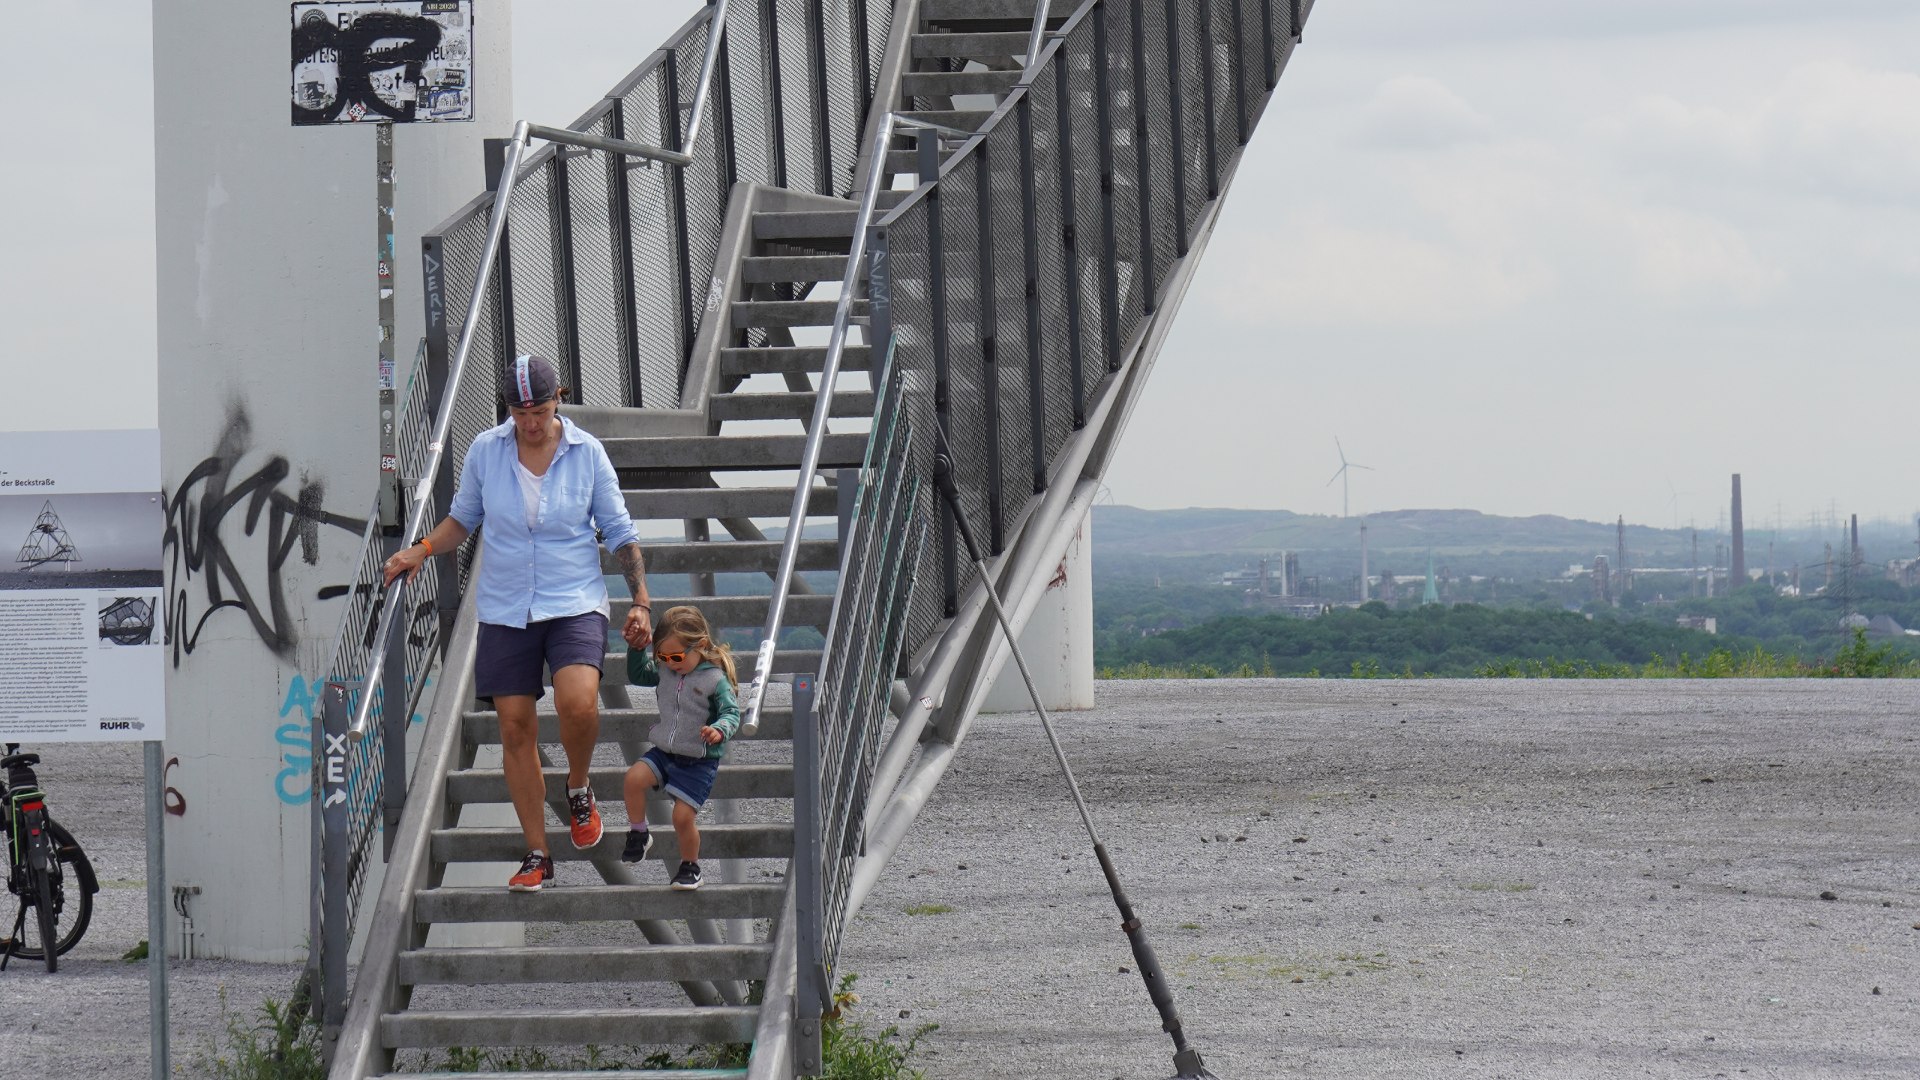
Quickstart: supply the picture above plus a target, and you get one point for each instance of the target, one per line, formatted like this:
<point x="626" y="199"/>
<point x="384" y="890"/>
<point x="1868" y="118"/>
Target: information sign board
<point x="82" y="616"/>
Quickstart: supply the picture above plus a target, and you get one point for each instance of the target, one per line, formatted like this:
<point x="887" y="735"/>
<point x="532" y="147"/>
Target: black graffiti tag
<point x="200" y="507"/>
<point x="379" y="41"/>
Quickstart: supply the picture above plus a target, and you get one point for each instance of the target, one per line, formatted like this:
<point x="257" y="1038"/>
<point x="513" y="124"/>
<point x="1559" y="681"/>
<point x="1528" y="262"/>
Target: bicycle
<point x="45" y="868"/>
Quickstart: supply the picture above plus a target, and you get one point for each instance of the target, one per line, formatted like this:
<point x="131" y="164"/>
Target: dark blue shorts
<point x="689" y="779"/>
<point x="508" y="659"/>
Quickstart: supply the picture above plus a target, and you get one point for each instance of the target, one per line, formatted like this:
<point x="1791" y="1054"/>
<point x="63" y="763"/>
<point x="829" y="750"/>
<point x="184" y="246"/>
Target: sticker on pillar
<point x="385" y="61"/>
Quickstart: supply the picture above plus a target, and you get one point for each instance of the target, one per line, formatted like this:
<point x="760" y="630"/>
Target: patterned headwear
<point x="531" y="380"/>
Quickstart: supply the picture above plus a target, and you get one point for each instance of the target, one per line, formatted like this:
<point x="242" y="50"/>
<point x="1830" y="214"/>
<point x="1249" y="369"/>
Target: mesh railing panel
<point x="598" y="275"/>
<point x="1162" y="156"/>
<point x="353" y="648"/>
<point x="1186" y="77"/>
<point x="1007" y="379"/>
<point x="796" y="29"/>
<point x="880" y="561"/>
<point x="531" y="303"/>
<point x="1057" y="325"/>
<point x="845" y="112"/>
<point x="750" y="96"/>
<point x="655" y="249"/>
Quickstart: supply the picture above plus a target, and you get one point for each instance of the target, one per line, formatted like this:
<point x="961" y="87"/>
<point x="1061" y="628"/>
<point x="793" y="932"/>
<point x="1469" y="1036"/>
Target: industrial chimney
<point x="1739" y="540"/>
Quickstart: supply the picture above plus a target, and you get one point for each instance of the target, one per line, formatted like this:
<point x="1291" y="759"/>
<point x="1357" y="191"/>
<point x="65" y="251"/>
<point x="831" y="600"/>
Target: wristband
<point x="425" y="543"/>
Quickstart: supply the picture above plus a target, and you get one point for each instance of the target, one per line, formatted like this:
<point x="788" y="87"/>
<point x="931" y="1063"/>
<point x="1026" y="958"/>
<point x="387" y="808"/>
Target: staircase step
<point x="901" y="162"/>
<point x="734" y="781"/>
<point x="756" y="452"/>
<point x="682" y="1026"/>
<point x="763" y="841"/>
<point x="791" y="358"/>
<point x="964" y="119"/>
<point x="916" y="84"/>
<point x="947" y="11"/>
<point x="602" y="903"/>
<point x="784" y="406"/>
<point x="724" y="612"/>
<point x="679" y="504"/>
<point x="789" y="313"/>
<point x="765" y="269"/>
<point x="802" y="225"/>
<point x="776" y="723"/>
<point x="643" y="963"/>
<point x="741" y="556"/>
<point x="996" y="45"/>
<point x="596" y="1075"/>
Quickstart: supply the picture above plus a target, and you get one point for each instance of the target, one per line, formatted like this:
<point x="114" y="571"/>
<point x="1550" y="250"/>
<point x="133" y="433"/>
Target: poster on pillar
<point x="382" y="61"/>
<point x="82" y="638"/>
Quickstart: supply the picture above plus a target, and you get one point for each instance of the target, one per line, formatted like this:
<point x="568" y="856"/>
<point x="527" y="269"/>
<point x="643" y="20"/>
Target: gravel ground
<point x="1451" y="879"/>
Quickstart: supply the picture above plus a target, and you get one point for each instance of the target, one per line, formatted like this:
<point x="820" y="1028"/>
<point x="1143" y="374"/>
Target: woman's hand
<point x="407" y="560"/>
<point x="638" y="629"/>
<point x="711" y="735"/>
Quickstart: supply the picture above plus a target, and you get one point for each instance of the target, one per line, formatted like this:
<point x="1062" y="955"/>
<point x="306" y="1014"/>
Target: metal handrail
<point x="822" y="410"/>
<point x="523" y="132"/>
<point x="1034" y="36"/>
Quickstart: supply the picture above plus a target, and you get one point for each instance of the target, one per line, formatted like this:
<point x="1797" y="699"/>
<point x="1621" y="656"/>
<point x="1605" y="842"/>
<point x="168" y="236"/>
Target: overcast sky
<point x="1523" y="257"/>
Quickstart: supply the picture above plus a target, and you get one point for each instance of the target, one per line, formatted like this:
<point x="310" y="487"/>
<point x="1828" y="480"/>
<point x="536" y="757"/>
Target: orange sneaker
<point x="535" y="870"/>
<point x="586" y="819"/>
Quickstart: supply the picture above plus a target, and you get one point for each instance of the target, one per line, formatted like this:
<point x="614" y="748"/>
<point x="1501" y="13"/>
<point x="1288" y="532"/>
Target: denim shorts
<point x="507" y="660"/>
<point x="689" y="779"/>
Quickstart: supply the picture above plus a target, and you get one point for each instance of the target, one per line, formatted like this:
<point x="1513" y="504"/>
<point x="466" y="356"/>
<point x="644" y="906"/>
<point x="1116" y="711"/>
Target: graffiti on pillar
<point x="293" y="784"/>
<point x="232" y="526"/>
<point x="176" y="803"/>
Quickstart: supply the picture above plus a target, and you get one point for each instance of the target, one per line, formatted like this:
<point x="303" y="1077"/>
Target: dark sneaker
<point x="586" y="819"/>
<point x="535" y="870"/>
<point x="639" y="842"/>
<point x="688" y="877"/>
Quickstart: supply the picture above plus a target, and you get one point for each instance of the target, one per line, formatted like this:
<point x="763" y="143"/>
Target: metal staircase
<point x="697" y="350"/>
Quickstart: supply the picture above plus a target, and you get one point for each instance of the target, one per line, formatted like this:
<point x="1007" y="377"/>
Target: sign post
<point x="83" y="642"/>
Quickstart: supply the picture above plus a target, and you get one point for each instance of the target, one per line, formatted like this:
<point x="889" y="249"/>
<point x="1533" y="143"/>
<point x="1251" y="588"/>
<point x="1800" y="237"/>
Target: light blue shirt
<point x="553" y="569"/>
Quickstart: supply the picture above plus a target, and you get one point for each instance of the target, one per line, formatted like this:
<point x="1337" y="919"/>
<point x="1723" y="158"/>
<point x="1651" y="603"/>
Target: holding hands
<point x="638" y="629"/>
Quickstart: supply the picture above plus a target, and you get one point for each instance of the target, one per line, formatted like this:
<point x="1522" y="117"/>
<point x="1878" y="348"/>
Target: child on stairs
<point x="698" y="714"/>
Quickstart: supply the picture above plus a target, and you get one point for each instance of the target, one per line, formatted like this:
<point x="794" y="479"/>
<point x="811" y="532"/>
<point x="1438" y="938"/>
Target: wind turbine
<point x="1342" y="474"/>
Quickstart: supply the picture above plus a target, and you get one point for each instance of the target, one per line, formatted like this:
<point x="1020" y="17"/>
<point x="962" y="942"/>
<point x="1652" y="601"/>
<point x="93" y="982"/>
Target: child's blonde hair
<point x="686" y="623"/>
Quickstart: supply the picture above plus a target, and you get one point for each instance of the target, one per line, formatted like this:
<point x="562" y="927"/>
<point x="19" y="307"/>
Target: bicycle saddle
<point x="11" y="760"/>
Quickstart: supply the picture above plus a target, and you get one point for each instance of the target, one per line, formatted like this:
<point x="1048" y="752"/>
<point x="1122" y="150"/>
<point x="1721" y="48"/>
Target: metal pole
<point x="1034" y="37"/>
<point x="157" y="1010"/>
<point x="333" y="809"/>
<point x="570" y="137"/>
<point x="1186" y="1059"/>
<point x="437" y="444"/>
<point x="811" y="993"/>
<point x="387" y="268"/>
<point x="716" y="28"/>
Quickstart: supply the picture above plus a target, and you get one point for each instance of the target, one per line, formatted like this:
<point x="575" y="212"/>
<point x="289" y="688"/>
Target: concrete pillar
<point x="267" y="316"/>
<point x="1058" y="640"/>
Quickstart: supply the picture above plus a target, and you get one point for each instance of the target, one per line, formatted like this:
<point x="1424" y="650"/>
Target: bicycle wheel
<point x="73" y="886"/>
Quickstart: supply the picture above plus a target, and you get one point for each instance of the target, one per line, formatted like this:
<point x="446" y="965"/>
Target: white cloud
<point x="1414" y="111"/>
<point x="1327" y="271"/>
<point x="1836" y="129"/>
<point x="1679" y="257"/>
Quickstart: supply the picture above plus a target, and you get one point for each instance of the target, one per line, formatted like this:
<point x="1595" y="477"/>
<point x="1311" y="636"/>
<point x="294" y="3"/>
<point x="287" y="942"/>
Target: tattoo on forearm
<point x="634" y="569"/>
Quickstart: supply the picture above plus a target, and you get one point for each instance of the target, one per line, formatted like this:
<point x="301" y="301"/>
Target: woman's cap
<point x="531" y="380"/>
